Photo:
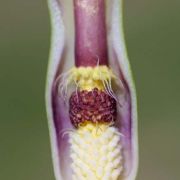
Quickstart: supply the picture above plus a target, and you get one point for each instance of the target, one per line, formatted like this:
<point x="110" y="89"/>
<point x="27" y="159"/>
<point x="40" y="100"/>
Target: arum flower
<point x="90" y="95"/>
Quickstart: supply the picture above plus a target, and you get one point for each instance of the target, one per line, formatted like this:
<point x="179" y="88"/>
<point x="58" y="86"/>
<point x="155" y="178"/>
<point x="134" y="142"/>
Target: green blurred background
<point x="152" y="30"/>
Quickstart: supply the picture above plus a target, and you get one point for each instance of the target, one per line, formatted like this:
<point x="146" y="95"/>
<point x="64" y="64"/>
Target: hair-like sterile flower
<point x="90" y="95"/>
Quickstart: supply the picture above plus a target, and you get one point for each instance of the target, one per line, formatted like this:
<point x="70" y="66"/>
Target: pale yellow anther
<point x="89" y="78"/>
<point x="95" y="75"/>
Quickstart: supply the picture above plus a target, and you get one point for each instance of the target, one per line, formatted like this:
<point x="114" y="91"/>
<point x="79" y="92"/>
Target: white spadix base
<point x="96" y="153"/>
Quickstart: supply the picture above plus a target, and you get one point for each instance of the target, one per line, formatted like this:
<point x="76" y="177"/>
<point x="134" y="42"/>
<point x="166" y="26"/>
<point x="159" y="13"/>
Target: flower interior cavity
<point x="90" y="97"/>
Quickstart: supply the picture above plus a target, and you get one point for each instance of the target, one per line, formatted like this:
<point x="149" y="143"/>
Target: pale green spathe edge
<point x="57" y="44"/>
<point x="120" y="48"/>
<point x="56" y="49"/>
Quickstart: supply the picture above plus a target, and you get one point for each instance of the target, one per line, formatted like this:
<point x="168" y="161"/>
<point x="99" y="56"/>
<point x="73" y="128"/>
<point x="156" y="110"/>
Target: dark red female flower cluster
<point x="95" y="106"/>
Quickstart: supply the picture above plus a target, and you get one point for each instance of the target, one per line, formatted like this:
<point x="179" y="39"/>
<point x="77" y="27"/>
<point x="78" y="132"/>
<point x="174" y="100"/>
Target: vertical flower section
<point x="91" y="106"/>
<point x="95" y="144"/>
